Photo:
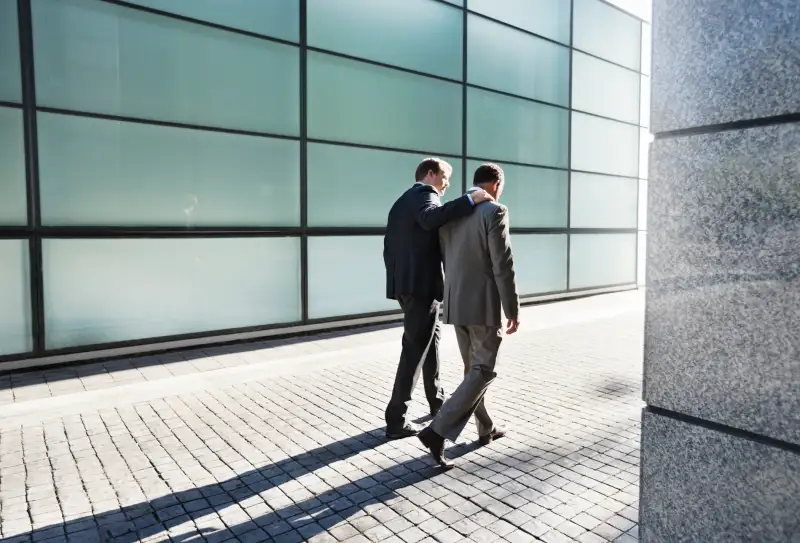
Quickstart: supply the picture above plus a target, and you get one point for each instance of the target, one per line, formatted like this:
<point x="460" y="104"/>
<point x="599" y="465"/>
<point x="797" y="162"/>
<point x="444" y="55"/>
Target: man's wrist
<point x="469" y="197"/>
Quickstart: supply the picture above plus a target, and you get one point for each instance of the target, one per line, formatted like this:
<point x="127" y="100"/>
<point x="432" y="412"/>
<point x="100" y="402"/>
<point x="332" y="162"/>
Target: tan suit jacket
<point x="479" y="268"/>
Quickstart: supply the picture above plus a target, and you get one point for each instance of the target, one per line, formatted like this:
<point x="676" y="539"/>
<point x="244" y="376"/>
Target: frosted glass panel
<point x="377" y="177"/>
<point x="598" y="260"/>
<point x="540" y="261"/>
<point x="644" y="108"/>
<point x="600" y="145"/>
<point x="643" y="9"/>
<point x="512" y="61"/>
<point x="105" y="290"/>
<point x="504" y="128"/>
<point x="605" y="89"/>
<point x="602" y="201"/>
<point x="641" y="265"/>
<point x="278" y="18"/>
<point x="15" y="304"/>
<point x="548" y="18"/>
<point x="99" y="172"/>
<point x="13" y="198"/>
<point x="346" y="276"/>
<point x="98" y="57"/>
<point x="10" y="84"/>
<point x="647" y="48"/>
<point x="642" y="222"/>
<point x="417" y="34"/>
<point x="607" y="32"/>
<point x="356" y="102"/>
<point x="535" y="197"/>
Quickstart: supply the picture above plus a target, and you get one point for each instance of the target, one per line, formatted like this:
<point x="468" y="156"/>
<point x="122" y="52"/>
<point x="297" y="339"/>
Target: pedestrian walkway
<point x="283" y="441"/>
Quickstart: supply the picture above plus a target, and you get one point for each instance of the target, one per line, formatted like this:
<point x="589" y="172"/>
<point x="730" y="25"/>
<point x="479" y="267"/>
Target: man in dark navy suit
<point x="414" y="278"/>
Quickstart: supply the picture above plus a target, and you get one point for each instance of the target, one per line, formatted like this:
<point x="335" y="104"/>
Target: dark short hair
<point x="487" y="173"/>
<point x="435" y="165"/>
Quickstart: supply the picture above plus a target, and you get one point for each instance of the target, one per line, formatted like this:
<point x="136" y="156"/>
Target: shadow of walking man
<point x="227" y="510"/>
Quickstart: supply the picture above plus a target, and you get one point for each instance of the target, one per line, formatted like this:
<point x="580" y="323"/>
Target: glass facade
<point x="178" y="168"/>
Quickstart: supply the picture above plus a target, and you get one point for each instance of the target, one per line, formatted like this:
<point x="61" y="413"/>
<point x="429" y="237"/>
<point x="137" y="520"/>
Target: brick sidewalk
<point x="283" y="441"/>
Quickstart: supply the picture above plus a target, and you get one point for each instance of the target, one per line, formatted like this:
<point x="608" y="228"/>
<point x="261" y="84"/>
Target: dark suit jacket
<point x="411" y="249"/>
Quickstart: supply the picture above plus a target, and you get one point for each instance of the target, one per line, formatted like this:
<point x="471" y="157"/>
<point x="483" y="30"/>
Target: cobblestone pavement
<point x="283" y="441"/>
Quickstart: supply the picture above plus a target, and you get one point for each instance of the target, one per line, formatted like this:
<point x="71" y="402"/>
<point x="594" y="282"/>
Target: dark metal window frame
<point x="34" y="232"/>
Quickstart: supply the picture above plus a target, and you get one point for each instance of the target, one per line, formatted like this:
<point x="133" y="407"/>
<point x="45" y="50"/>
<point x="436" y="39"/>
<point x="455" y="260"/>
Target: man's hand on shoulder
<point x="481" y="195"/>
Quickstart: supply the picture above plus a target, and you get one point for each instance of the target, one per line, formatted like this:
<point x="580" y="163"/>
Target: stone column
<point x="721" y="430"/>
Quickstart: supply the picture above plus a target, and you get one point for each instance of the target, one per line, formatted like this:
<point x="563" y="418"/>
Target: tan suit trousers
<point x="479" y="346"/>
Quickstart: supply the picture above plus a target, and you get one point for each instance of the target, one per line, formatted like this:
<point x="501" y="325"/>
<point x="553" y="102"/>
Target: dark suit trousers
<point x="421" y="334"/>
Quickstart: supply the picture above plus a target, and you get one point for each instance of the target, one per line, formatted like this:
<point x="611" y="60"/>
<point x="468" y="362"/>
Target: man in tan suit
<point x="480" y="285"/>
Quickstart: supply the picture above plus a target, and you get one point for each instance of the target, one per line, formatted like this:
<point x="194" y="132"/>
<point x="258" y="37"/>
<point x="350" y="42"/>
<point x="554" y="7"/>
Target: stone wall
<point x="721" y="431"/>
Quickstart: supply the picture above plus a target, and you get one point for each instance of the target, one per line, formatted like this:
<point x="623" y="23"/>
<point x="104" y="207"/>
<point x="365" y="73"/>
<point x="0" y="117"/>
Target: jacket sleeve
<point x="442" y="244"/>
<point x="499" y="241"/>
<point x="431" y="214"/>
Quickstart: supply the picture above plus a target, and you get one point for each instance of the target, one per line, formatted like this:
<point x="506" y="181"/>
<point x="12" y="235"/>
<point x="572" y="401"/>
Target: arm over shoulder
<point x="431" y="214"/>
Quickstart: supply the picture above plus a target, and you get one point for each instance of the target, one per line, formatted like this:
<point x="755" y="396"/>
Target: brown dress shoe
<point x="435" y="444"/>
<point x="496" y="433"/>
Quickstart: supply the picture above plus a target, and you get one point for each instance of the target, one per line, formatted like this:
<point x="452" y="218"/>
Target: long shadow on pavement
<point x="289" y="522"/>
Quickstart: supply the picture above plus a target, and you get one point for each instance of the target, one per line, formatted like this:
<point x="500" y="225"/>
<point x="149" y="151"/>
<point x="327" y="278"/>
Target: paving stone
<point x="518" y="536"/>
<point x="484" y="535"/>
<point x="551" y="519"/>
<point x="586" y="521"/>
<point x="518" y="517"/>
<point x="501" y="528"/>
<point x="344" y="532"/>
<point x="466" y="526"/>
<point x="536" y="528"/>
<point x="288" y="537"/>
<point x="412" y="535"/>
<point x="364" y="523"/>
<point x="417" y="516"/>
<point x="399" y="524"/>
<point x="607" y="531"/>
<point x="589" y="537"/>
<point x="254" y="536"/>
<point x="571" y="529"/>
<point x="482" y="518"/>
<point x="601" y="513"/>
<point x="554" y="536"/>
<point x="87" y="536"/>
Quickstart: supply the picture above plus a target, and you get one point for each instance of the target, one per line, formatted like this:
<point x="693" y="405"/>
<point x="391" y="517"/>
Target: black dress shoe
<point x="435" y="444"/>
<point x="409" y="430"/>
<point x="435" y="410"/>
<point x="496" y="433"/>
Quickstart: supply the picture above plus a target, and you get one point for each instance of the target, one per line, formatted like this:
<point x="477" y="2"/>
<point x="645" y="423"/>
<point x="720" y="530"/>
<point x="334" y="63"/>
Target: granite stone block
<point x="722" y="318"/>
<point x="702" y="485"/>
<point x="720" y="61"/>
